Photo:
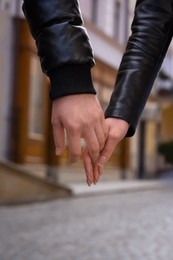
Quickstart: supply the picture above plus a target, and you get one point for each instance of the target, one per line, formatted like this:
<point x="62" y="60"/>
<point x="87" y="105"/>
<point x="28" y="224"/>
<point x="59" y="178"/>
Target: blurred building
<point x="24" y="106"/>
<point x="7" y="11"/>
<point x="155" y="124"/>
<point x="26" y="134"/>
<point x="107" y="25"/>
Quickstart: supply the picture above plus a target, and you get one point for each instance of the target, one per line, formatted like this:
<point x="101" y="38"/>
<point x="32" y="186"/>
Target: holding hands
<point x="81" y="117"/>
<point x="117" y="129"/>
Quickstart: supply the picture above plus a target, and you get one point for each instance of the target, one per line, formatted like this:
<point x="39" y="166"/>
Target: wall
<point x="106" y="17"/>
<point x="6" y="35"/>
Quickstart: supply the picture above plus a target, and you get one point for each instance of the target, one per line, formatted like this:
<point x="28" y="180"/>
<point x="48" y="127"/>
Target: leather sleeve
<point x="63" y="45"/>
<point x="152" y="30"/>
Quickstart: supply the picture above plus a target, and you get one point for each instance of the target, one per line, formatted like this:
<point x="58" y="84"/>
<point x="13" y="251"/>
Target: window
<point x="117" y="19"/>
<point x="36" y="115"/>
<point x="4" y="4"/>
<point x="94" y="11"/>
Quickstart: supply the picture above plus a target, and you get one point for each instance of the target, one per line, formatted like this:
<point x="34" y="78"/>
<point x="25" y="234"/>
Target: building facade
<point x="6" y="71"/>
<point x="154" y="127"/>
<point x="28" y="138"/>
<point x="26" y="134"/>
<point x="107" y="26"/>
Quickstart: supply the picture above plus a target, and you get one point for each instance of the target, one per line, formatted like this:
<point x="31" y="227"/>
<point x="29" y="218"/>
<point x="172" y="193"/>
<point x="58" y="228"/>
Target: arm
<point x="152" y="30"/>
<point x="146" y="48"/>
<point x="63" y="45"/>
<point x="66" y="57"/>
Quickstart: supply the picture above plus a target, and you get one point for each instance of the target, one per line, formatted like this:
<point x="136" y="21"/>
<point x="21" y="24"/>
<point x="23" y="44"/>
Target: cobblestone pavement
<point x="127" y="226"/>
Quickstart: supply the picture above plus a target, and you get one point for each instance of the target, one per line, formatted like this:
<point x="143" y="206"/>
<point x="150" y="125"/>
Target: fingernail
<point x="101" y="161"/>
<point x="58" y="151"/>
<point x="88" y="182"/>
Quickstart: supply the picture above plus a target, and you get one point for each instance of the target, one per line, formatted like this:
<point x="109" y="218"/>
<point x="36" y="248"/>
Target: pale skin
<point x="81" y="116"/>
<point x="117" y="129"/>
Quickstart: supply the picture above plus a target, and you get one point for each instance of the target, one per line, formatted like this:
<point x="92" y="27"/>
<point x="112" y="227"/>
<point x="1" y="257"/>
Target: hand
<point x="80" y="116"/>
<point x="117" y="129"/>
<point x="93" y="171"/>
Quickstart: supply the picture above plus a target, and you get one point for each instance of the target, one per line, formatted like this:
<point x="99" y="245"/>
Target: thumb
<point x="107" y="151"/>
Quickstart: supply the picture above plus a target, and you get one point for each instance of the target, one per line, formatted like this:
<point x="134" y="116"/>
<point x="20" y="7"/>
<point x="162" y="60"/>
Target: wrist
<point x="71" y="79"/>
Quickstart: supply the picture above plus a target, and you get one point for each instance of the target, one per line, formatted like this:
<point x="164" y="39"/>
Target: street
<point x="124" y="226"/>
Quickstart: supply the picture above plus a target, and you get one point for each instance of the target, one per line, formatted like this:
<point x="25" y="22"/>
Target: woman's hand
<point x="117" y="129"/>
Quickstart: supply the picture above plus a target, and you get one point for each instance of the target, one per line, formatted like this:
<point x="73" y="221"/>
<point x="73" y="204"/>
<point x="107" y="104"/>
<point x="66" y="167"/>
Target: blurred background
<point x="117" y="224"/>
<point x="25" y="129"/>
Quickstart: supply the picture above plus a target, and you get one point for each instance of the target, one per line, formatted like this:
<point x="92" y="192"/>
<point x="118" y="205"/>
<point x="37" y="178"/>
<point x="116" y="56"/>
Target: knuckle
<point x="106" y="153"/>
<point x="73" y="128"/>
<point x="86" y="124"/>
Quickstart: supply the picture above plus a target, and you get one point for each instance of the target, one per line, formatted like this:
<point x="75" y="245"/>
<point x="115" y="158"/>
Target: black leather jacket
<point x="66" y="54"/>
<point x="63" y="45"/>
<point x="152" y="31"/>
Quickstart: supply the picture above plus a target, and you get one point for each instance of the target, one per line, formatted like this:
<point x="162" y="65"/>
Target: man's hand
<point x="80" y="116"/>
<point x="117" y="129"/>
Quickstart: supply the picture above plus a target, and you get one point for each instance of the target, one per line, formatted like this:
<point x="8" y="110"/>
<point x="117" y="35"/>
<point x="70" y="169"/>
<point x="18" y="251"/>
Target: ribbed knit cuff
<point x="71" y="79"/>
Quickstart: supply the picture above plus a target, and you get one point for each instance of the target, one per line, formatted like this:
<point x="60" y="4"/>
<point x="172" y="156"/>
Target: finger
<point x="74" y="146"/>
<point x="92" y="144"/>
<point x="59" y="138"/>
<point x="100" y="169"/>
<point x="89" y="171"/>
<point x="101" y="130"/>
<point x="107" y="151"/>
<point x="105" y="127"/>
<point x="97" y="173"/>
<point x="101" y="136"/>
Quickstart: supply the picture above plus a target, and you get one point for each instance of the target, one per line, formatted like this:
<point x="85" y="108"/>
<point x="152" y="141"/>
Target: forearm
<point x="146" y="48"/>
<point x="63" y="45"/>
